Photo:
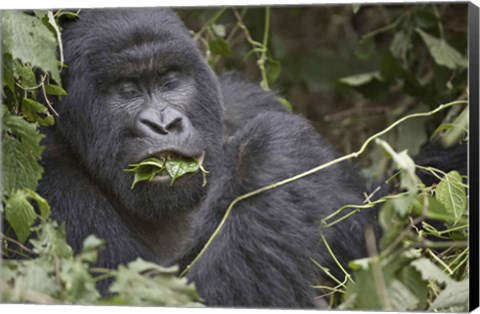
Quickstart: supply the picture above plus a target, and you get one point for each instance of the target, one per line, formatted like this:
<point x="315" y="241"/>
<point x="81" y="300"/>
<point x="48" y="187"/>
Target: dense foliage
<point x="405" y="60"/>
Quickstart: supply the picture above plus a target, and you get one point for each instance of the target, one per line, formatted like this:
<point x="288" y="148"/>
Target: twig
<point x="312" y="171"/>
<point x="17" y="243"/>
<point x="212" y="20"/>
<point x="46" y="97"/>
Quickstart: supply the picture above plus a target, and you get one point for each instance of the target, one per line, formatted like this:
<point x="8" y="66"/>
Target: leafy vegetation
<point x="49" y="272"/>
<point x="174" y="166"/>
<point x="392" y="62"/>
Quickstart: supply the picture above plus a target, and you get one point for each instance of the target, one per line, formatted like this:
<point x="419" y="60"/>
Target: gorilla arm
<point x="262" y="256"/>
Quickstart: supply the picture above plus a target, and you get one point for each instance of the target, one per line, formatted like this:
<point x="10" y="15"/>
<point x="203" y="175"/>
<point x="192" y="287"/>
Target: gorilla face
<point x="150" y="94"/>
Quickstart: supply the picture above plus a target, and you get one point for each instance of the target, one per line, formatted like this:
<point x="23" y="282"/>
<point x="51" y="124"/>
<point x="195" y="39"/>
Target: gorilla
<point x="139" y="87"/>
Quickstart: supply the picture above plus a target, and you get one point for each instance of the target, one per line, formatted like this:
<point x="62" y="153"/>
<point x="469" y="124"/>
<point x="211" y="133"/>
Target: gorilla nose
<point x="152" y="122"/>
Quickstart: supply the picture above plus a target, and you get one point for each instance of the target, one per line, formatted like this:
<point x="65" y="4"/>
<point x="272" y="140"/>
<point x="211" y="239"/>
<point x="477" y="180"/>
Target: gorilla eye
<point x="128" y="90"/>
<point x="170" y="80"/>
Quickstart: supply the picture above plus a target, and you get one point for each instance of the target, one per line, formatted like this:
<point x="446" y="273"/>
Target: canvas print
<point x="254" y="157"/>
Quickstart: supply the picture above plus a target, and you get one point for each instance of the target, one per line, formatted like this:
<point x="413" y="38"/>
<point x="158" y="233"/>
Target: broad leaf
<point x="179" y="167"/>
<point x="273" y="68"/>
<point x="146" y="170"/>
<point x="451" y="193"/>
<point x="430" y="271"/>
<point x="51" y="240"/>
<point x="408" y="179"/>
<point x="36" y="112"/>
<point x="21" y="152"/>
<point x="56" y="90"/>
<point x="20" y="214"/>
<point x="399" y="44"/>
<point x="454" y="294"/>
<point x="26" y="38"/>
<point x="360" y="79"/>
<point x="91" y="245"/>
<point x="144" y="283"/>
<point x="79" y="285"/>
<point x="220" y="46"/>
<point x="219" y="30"/>
<point x="174" y="166"/>
<point x="442" y="52"/>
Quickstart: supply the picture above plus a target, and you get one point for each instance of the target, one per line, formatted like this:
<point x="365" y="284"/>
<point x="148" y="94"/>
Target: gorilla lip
<point x="163" y="176"/>
<point x="166" y="154"/>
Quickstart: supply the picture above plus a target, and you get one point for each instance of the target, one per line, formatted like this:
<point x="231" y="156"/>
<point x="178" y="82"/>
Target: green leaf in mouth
<point x="174" y="166"/>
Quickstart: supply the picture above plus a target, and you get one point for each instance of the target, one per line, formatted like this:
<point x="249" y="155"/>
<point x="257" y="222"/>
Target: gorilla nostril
<point x="151" y="122"/>
<point x="175" y="124"/>
<point x="156" y="127"/>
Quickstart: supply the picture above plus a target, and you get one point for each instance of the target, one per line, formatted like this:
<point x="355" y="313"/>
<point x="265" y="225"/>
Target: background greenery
<point x="352" y="70"/>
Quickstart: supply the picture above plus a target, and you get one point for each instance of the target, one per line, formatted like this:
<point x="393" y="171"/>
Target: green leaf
<point x="68" y="14"/>
<point x="220" y="46"/>
<point x="36" y="112"/>
<point x="365" y="48"/>
<point x="219" y="30"/>
<point x="365" y="291"/>
<point x="56" y="90"/>
<point x="355" y="7"/>
<point x="430" y="271"/>
<point x="391" y="70"/>
<point x="179" y="167"/>
<point x="451" y="193"/>
<point x="20" y="214"/>
<point x="34" y="276"/>
<point x="42" y="203"/>
<point x="175" y="167"/>
<point x="285" y="103"/>
<point x="91" y="245"/>
<point x="454" y="135"/>
<point x="145" y="283"/>
<point x="411" y="133"/>
<point x="435" y="210"/>
<point x="399" y="44"/>
<point x="358" y="264"/>
<point x="8" y="72"/>
<point x="51" y="240"/>
<point x="401" y="298"/>
<point x="26" y="38"/>
<point x="21" y="152"/>
<point x="146" y="170"/>
<point x="360" y="79"/>
<point x="426" y="19"/>
<point x="273" y="69"/>
<point x="412" y="280"/>
<point x="454" y="294"/>
<point x="404" y="162"/>
<point x="79" y="285"/>
<point x="26" y="75"/>
<point x="442" y="52"/>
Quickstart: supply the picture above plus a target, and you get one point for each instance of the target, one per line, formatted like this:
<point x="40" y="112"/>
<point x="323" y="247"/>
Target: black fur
<point x="262" y="257"/>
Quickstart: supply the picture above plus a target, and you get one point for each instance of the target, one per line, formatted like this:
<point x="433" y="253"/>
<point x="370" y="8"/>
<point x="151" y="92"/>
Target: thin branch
<point x="212" y="20"/>
<point x="17" y="243"/>
<point x="312" y="171"/>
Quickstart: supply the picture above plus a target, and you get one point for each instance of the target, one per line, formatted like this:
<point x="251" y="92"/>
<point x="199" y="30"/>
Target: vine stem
<point x="312" y="171"/>
<point x="263" y="56"/>
<point x="212" y="20"/>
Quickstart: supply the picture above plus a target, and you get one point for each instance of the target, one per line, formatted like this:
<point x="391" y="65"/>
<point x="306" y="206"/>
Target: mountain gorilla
<point x="138" y="87"/>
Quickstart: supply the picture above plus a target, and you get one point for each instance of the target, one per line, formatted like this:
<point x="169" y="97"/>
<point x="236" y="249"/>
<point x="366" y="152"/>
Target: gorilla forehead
<point x="134" y="39"/>
<point x="115" y="22"/>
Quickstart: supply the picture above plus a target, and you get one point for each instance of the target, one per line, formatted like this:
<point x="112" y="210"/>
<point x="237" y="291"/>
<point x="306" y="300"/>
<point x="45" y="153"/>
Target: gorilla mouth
<point x="167" y="165"/>
<point x="167" y="155"/>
